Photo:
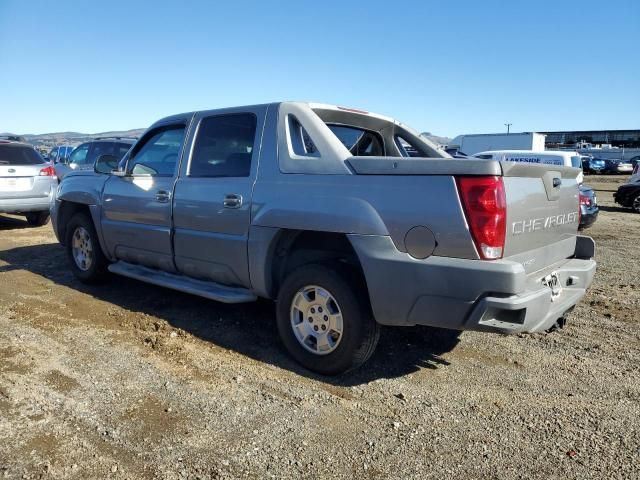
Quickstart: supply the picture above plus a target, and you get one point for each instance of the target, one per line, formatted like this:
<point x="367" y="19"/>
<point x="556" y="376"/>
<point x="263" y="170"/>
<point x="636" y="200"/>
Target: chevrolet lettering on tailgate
<point x="535" y="224"/>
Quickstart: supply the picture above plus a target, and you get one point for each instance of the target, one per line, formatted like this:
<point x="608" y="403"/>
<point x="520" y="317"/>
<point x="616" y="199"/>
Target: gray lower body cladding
<point x="466" y="294"/>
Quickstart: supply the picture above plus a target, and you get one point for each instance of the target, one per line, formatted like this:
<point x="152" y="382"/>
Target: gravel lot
<point x="127" y="380"/>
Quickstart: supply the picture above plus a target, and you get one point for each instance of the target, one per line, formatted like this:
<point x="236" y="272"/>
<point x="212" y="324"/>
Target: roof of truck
<point x="313" y="105"/>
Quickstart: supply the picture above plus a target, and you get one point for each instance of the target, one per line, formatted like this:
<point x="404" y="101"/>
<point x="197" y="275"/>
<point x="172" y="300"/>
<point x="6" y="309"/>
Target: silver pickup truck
<point x="349" y="220"/>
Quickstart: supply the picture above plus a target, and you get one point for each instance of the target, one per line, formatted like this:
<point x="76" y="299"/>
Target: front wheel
<point x="324" y="319"/>
<point x="37" y="219"/>
<point x="84" y="253"/>
<point x="635" y="204"/>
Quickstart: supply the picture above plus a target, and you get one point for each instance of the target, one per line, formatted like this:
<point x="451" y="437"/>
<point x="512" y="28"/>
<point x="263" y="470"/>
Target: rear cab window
<point x="367" y="134"/>
<point x="358" y="141"/>
<point x="17" y="155"/>
<point x="224" y="146"/>
<point x="409" y="149"/>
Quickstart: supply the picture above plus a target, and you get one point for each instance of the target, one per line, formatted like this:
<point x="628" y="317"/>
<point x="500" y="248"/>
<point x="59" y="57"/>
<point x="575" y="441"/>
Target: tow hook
<point x="560" y="323"/>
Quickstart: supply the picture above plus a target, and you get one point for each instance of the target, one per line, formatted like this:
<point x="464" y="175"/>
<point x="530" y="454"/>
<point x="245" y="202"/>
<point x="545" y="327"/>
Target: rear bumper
<point x="533" y="310"/>
<point x="21" y="205"/>
<point x="461" y="294"/>
<point x="36" y="199"/>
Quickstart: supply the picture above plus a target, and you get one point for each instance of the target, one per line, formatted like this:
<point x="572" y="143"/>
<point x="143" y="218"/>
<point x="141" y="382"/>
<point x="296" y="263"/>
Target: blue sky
<point x="448" y="67"/>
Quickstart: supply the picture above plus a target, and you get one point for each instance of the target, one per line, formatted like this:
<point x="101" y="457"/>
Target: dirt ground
<point x="127" y="380"/>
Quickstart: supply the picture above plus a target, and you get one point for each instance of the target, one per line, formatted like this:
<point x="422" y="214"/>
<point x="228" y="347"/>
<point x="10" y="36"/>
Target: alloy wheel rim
<point x="82" y="249"/>
<point x="316" y="320"/>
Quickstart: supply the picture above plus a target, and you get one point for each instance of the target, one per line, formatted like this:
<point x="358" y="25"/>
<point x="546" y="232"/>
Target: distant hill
<point x="436" y="138"/>
<point x="46" y="141"/>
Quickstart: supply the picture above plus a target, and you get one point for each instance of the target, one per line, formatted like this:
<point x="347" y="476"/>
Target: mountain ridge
<point x="46" y="141"/>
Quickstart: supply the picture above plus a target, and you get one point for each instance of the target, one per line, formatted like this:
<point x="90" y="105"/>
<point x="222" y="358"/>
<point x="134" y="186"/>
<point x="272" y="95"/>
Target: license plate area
<point x="552" y="281"/>
<point x="15" y="184"/>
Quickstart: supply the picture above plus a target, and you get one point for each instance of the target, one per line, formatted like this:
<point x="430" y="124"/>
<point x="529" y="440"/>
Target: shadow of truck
<point x="249" y="329"/>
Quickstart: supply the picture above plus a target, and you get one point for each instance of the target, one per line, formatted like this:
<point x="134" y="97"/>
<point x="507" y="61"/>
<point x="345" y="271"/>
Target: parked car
<point x="60" y="154"/>
<point x="13" y="138"/>
<point x="324" y="210"/>
<point x="27" y="182"/>
<point x="588" y="207"/>
<point x="84" y="155"/>
<point x="617" y="166"/>
<point x="593" y="165"/>
<point x="628" y="195"/>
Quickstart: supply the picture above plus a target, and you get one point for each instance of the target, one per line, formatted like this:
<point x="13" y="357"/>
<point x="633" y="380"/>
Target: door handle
<point x="232" y="200"/>
<point x="162" y="196"/>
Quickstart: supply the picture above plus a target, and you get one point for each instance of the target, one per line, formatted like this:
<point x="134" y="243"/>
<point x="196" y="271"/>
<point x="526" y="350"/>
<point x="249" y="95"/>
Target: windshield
<point x="19" y="155"/>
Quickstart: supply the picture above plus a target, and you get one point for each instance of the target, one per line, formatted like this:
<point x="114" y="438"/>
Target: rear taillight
<point x="585" y="200"/>
<point x="485" y="206"/>
<point x="47" y="172"/>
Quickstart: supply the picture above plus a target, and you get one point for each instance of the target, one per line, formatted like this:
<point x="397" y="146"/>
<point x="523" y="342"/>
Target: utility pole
<point x="508" y="125"/>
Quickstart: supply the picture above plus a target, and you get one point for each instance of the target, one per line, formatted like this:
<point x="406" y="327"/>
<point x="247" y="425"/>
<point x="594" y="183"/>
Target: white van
<point x="547" y="157"/>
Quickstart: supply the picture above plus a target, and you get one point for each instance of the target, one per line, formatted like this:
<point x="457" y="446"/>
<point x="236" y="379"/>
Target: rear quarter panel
<point x="366" y="205"/>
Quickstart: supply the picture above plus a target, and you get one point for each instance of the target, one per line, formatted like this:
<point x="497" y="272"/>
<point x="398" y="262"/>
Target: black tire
<point x="635" y="203"/>
<point x="97" y="269"/>
<point x="37" y="219"/>
<point x="360" y="332"/>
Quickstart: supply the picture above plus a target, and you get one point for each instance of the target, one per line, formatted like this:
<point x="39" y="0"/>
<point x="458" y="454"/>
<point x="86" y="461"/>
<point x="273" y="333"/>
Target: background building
<point x="615" y="138"/>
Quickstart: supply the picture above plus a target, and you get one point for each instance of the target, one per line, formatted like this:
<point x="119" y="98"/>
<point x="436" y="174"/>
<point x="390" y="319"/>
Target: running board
<point x="211" y="290"/>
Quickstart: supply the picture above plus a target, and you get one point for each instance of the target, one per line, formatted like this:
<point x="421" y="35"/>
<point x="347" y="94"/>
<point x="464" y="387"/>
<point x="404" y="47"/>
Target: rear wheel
<point x="37" y="219"/>
<point x="635" y="203"/>
<point x="84" y="253"/>
<point x="324" y="319"/>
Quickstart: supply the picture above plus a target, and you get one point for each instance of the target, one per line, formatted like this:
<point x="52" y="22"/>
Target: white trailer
<point x="481" y="142"/>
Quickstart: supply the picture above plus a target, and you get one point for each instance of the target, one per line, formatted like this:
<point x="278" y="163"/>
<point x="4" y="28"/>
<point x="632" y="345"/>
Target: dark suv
<point x="84" y="155"/>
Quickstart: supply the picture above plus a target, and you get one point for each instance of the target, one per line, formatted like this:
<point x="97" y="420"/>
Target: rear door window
<point x="359" y="142"/>
<point x="224" y="146"/>
<point x="19" y="155"/>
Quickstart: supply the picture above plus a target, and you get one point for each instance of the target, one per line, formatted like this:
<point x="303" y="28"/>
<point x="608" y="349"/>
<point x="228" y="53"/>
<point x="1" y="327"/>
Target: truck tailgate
<point x="542" y="213"/>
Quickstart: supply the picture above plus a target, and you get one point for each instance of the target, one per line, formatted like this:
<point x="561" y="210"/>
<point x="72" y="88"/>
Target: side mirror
<point x="105" y="164"/>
